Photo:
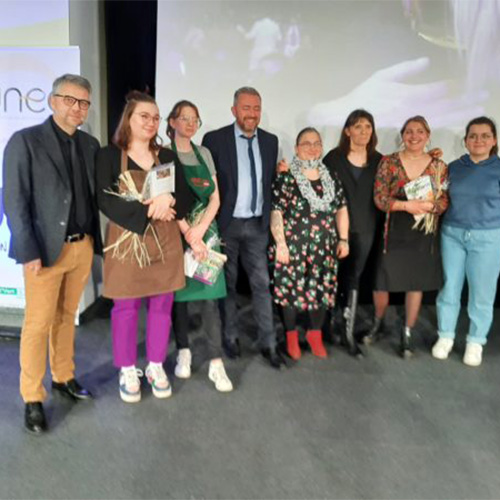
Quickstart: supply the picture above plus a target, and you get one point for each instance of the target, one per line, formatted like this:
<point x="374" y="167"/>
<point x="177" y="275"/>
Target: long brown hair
<point x="345" y="141"/>
<point x="123" y="132"/>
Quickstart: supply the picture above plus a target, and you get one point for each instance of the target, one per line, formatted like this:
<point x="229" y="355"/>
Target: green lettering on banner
<point x="8" y="291"/>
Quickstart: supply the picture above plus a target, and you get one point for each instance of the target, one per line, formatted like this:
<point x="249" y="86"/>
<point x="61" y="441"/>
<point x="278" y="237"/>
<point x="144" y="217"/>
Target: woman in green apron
<point x="199" y="227"/>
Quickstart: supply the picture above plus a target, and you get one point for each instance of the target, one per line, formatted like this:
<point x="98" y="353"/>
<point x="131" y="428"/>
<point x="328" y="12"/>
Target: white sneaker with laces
<point x="442" y="348"/>
<point x="183" y="366"/>
<point x="473" y="354"/>
<point x="158" y="380"/>
<point x="217" y="374"/>
<point x="130" y="385"/>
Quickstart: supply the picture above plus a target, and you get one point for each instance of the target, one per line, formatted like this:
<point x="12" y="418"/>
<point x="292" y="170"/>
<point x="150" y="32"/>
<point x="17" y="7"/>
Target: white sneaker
<point x="158" y="380"/>
<point x="442" y="348"/>
<point x="217" y="374"/>
<point x="473" y="354"/>
<point x="183" y="366"/>
<point x="130" y="385"/>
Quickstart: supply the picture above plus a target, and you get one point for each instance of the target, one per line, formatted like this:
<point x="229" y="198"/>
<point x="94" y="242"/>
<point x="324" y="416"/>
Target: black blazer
<point x="133" y="215"/>
<point x="222" y="145"/>
<point x="364" y="216"/>
<point x="37" y="192"/>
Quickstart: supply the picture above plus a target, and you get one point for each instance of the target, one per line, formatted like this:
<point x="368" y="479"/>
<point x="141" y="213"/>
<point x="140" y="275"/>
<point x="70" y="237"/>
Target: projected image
<point x="316" y="61"/>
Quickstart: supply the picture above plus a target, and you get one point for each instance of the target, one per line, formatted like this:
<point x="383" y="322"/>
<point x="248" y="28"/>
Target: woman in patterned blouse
<point x="411" y="187"/>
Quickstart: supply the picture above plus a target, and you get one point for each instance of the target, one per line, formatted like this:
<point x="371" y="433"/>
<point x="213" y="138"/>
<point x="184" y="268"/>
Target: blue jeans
<point x="473" y="254"/>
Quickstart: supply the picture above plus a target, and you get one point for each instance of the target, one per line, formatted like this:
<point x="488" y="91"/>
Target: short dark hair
<point x="176" y="112"/>
<point x="122" y="135"/>
<point x="354" y="117"/>
<point x="484" y="120"/>
<point x="245" y="90"/>
<point x="77" y="80"/>
<point x="306" y="131"/>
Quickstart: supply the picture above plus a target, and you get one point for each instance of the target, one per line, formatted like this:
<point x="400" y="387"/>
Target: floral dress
<point x="309" y="281"/>
<point x="409" y="259"/>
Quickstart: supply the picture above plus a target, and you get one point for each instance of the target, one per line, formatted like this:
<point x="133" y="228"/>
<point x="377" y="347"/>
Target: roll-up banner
<point x="26" y="76"/>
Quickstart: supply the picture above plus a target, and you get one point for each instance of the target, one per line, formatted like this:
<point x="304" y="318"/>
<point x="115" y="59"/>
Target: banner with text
<point x="26" y="76"/>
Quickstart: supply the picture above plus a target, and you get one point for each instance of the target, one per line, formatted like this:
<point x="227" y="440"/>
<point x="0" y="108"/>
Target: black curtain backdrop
<point x="131" y="52"/>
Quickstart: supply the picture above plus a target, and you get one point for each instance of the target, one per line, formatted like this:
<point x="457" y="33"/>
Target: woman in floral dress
<point x="410" y="258"/>
<point x="310" y="227"/>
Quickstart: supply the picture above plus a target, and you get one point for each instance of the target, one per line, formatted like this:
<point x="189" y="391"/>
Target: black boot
<point x="406" y="346"/>
<point x="350" y="319"/>
<point x="373" y="334"/>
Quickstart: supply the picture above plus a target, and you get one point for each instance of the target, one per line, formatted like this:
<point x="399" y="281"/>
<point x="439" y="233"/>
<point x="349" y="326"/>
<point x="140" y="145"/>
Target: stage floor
<point x="381" y="427"/>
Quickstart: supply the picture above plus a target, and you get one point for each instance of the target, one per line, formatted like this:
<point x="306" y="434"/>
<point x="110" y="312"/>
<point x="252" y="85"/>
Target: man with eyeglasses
<point x="245" y="158"/>
<point x="50" y="205"/>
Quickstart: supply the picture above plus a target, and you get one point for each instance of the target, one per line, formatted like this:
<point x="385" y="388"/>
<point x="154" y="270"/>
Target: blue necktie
<point x="253" y="173"/>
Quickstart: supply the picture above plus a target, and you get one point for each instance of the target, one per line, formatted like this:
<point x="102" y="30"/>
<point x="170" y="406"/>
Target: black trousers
<point x="351" y="268"/>
<point x="211" y="324"/>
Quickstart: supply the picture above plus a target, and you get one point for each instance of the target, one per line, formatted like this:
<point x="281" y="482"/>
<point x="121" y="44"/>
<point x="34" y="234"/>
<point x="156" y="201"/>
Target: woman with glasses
<point x="199" y="228"/>
<point x="143" y="257"/>
<point x="310" y="227"/>
<point x="470" y="242"/>
<point x="411" y="188"/>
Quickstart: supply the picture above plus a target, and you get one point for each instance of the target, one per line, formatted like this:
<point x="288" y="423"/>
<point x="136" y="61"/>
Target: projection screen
<point x="315" y="61"/>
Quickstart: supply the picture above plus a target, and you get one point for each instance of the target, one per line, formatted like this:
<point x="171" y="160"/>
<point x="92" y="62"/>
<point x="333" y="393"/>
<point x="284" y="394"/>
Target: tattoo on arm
<point x="277" y="228"/>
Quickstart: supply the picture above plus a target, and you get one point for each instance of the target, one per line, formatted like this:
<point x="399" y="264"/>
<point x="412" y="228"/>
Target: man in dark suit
<point x="50" y="205"/>
<point x="245" y="159"/>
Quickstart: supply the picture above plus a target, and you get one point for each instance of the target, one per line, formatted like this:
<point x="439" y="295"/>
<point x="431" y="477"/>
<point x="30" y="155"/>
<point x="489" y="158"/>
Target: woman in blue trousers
<point x="470" y="242"/>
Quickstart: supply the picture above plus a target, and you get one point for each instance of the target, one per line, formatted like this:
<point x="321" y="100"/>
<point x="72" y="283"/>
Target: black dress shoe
<point x="274" y="357"/>
<point x="73" y="389"/>
<point x="232" y="348"/>
<point x="34" y="418"/>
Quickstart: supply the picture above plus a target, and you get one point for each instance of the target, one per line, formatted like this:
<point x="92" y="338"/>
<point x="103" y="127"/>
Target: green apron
<point x="202" y="185"/>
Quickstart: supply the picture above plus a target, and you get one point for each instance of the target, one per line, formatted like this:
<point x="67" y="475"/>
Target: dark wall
<point x="130" y="50"/>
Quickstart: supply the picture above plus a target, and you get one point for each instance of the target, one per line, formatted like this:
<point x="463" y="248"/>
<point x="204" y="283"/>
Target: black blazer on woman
<point x="363" y="214"/>
<point x="133" y="215"/>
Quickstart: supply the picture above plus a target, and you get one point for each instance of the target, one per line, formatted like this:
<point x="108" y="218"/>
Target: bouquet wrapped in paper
<point x="131" y="245"/>
<point x="426" y="188"/>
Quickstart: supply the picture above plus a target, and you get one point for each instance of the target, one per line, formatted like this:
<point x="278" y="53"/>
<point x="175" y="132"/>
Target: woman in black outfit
<point x="355" y="162"/>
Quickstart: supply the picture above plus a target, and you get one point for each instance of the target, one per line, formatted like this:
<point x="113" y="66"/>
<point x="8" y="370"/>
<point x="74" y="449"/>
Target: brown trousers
<point x="52" y="298"/>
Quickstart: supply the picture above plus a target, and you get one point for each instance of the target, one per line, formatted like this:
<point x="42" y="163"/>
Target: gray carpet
<point x="337" y="428"/>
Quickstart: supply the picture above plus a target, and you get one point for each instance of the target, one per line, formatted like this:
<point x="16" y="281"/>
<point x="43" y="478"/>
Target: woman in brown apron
<point x="200" y="227"/>
<point x="144" y="256"/>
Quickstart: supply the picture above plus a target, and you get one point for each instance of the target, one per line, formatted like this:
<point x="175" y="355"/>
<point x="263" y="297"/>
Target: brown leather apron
<point x="125" y="279"/>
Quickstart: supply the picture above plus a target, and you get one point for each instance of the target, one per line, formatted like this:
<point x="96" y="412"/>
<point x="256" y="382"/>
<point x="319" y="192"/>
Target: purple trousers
<point x="124" y="319"/>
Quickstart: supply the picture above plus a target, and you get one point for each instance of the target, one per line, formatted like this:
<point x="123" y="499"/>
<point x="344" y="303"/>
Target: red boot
<point x="315" y="340"/>
<point x="292" y="344"/>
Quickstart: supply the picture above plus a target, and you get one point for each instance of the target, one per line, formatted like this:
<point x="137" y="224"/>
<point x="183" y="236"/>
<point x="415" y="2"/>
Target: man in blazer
<point x="49" y="199"/>
<point x="245" y="158"/>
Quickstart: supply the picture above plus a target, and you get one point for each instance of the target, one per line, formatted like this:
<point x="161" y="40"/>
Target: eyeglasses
<point x="69" y="101"/>
<point x="482" y="137"/>
<point x="146" y="118"/>
<point x="310" y="145"/>
<point x="186" y="120"/>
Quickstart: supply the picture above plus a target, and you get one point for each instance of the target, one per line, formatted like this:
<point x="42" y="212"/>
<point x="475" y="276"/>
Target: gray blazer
<point x="37" y="192"/>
